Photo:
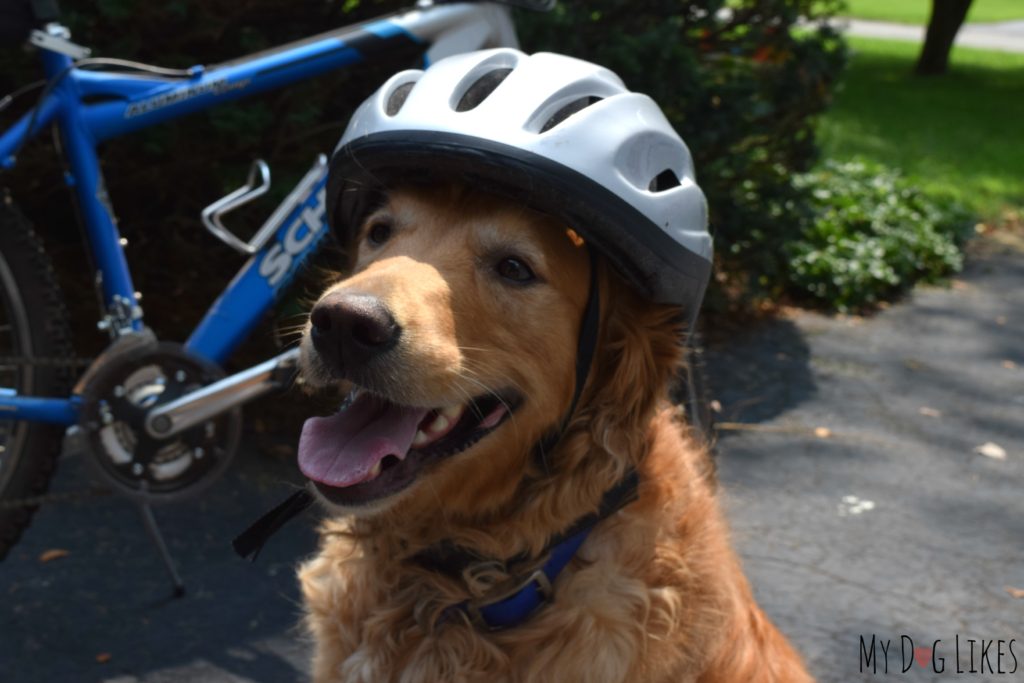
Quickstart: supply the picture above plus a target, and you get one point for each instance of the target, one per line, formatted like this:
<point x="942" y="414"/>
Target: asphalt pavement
<point x="873" y="471"/>
<point x="874" y="476"/>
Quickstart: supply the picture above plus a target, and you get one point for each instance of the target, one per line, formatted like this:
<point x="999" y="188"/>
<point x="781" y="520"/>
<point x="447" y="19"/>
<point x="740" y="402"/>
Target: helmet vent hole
<point x="398" y="98"/>
<point x="568" y="110"/>
<point x="665" y="180"/>
<point x="481" y="89"/>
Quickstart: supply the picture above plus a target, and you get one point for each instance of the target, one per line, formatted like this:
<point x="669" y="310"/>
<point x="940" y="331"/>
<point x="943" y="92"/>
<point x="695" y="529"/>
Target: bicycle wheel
<point x="33" y="324"/>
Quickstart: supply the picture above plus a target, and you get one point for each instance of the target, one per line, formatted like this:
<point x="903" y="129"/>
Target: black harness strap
<point x="249" y="543"/>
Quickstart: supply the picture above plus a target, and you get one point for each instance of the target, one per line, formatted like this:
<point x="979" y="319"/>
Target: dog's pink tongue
<point x="340" y="450"/>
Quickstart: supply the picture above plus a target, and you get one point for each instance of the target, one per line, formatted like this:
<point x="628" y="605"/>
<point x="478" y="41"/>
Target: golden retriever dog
<point x="456" y="331"/>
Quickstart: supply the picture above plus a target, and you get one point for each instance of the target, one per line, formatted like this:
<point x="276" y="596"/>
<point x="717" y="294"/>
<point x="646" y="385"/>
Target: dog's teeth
<point x="420" y="438"/>
<point x="375" y="471"/>
<point x="453" y="413"/>
<point x="439" y="424"/>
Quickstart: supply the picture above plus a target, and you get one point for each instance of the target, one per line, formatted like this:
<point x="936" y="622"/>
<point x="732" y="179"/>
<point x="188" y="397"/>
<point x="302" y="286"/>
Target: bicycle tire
<point x="34" y="323"/>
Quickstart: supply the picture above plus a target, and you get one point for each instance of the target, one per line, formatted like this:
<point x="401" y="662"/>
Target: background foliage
<point x="741" y="84"/>
<point x="871" y="233"/>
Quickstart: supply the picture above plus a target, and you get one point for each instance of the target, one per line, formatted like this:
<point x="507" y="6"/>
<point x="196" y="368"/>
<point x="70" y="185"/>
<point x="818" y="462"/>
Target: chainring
<point x="115" y="402"/>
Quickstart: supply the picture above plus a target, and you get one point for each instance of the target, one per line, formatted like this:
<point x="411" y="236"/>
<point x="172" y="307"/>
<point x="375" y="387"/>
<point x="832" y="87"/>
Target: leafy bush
<point x="871" y="234"/>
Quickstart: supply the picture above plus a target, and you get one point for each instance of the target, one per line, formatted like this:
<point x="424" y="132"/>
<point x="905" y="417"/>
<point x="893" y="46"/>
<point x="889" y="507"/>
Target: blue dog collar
<point x="512" y="602"/>
<point x="514" y="606"/>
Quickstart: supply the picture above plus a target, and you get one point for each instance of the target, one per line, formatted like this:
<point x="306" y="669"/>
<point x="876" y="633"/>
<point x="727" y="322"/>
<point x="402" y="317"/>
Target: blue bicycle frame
<point x="92" y="106"/>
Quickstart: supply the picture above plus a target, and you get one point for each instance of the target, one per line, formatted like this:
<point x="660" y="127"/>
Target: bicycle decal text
<point x="277" y="261"/>
<point x="215" y="87"/>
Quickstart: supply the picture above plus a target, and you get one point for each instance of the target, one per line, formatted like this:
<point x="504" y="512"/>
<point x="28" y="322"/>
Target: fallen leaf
<point x="1001" y="320"/>
<point x="1009" y="364"/>
<point x="959" y="284"/>
<point x="103" y="657"/>
<point x="929" y="412"/>
<point x="1015" y="592"/>
<point x="53" y="554"/>
<point x="822" y="432"/>
<point x="716" y="406"/>
<point x="991" y="450"/>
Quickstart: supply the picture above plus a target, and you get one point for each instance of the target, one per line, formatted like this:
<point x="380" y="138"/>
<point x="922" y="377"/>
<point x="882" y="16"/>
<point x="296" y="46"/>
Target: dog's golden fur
<point x="655" y="594"/>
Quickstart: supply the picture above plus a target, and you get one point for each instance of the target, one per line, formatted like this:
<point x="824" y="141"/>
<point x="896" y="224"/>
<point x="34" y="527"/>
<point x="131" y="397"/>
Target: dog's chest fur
<point x="653" y="595"/>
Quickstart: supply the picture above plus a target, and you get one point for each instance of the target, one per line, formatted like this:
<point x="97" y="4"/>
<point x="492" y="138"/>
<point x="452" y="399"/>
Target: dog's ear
<point x="639" y="353"/>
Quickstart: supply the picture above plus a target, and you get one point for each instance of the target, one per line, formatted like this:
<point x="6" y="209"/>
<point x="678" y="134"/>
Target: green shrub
<point x="871" y="234"/>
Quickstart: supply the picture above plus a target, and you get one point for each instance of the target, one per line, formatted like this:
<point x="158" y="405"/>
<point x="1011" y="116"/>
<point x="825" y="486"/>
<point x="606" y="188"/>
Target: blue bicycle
<point x="158" y="420"/>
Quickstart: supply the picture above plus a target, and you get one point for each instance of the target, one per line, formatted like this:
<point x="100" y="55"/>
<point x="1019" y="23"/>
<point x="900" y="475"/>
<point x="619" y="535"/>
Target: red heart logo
<point x="922" y="655"/>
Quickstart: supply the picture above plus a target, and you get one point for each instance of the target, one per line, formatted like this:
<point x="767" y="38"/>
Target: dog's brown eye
<point x="515" y="270"/>
<point x="379" y="233"/>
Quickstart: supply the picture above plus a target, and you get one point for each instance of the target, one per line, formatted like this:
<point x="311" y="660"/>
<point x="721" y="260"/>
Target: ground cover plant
<point x="870" y="233"/>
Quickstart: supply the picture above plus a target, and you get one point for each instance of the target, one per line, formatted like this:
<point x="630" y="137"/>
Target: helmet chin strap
<point x="585" y="347"/>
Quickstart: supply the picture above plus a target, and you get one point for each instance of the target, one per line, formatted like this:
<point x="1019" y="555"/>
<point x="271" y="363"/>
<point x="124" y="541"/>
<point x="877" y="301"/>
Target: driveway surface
<point x="893" y="524"/>
<point x="1006" y="36"/>
<point x="847" y="459"/>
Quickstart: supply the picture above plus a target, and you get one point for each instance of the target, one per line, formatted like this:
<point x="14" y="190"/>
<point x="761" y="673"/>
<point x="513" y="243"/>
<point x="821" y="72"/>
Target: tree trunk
<point x="946" y="19"/>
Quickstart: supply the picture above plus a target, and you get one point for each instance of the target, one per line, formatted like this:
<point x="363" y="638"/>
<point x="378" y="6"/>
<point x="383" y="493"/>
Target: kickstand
<point x="149" y="521"/>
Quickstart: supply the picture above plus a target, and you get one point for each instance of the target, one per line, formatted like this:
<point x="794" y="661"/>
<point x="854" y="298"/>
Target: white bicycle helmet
<point x="559" y="134"/>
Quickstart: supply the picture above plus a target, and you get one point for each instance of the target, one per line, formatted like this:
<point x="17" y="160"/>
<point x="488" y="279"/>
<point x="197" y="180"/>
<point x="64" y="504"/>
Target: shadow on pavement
<point x="761" y="373"/>
<point x="102" y="612"/>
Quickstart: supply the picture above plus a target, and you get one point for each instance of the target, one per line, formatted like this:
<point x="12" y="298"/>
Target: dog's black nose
<point x="350" y="329"/>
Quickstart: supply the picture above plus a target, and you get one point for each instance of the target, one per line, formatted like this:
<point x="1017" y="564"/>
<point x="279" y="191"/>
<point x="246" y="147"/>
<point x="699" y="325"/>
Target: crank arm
<point x="211" y="400"/>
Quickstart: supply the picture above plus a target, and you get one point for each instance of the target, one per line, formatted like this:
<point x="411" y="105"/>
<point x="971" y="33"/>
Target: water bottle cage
<point x="256" y="185"/>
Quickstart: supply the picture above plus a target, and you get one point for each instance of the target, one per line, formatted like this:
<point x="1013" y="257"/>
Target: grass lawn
<point x="916" y="11"/>
<point x="962" y="133"/>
